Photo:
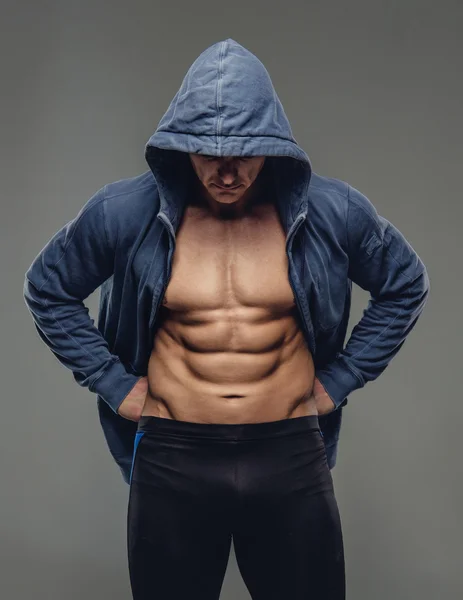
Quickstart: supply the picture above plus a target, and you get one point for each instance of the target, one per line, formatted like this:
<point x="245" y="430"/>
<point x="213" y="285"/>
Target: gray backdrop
<point x="373" y="91"/>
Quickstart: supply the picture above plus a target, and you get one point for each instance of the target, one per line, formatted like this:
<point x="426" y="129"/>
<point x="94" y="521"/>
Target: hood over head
<point x="227" y="106"/>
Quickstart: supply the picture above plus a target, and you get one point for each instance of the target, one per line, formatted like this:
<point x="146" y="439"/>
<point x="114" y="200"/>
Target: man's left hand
<point x="322" y="400"/>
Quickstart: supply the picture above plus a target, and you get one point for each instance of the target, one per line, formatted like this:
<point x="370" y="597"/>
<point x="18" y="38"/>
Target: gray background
<point x="373" y="91"/>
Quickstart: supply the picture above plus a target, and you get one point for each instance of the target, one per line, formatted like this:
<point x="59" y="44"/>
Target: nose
<point x="227" y="173"/>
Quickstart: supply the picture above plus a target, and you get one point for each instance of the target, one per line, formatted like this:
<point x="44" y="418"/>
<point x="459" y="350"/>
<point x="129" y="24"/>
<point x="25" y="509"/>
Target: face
<point x="226" y="178"/>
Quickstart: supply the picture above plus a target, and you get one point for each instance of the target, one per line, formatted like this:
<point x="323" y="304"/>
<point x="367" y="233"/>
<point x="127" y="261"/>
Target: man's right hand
<point x="132" y="406"/>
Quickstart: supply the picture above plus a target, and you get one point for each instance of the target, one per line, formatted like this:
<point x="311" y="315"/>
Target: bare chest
<point x="224" y="264"/>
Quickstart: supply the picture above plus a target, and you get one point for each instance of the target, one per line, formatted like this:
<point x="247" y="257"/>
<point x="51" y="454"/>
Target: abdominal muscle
<point x="218" y="367"/>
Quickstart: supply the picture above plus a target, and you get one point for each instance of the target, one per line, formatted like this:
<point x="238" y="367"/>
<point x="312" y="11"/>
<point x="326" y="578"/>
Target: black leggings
<point x="195" y="485"/>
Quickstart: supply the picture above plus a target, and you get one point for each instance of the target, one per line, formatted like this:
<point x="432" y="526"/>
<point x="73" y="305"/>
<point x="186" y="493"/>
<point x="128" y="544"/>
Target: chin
<point x="227" y="198"/>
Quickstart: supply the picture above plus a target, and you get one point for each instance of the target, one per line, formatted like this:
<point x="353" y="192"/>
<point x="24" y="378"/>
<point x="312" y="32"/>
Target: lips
<point x="227" y="188"/>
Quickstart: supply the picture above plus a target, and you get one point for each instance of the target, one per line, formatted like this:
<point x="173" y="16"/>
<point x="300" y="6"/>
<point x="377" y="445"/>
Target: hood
<point x="227" y="106"/>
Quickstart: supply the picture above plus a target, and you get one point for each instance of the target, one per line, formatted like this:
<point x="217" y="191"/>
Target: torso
<point x="228" y="348"/>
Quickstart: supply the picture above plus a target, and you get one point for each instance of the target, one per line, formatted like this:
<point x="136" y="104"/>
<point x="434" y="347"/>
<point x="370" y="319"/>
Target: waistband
<point x="230" y="431"/>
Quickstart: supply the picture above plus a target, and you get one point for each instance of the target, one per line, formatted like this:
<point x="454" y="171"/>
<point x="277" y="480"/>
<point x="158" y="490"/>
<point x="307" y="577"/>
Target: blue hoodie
<point x="123" y="239"/>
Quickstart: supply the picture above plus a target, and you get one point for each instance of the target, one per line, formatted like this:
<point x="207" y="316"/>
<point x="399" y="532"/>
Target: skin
<point x="229" y="350"/>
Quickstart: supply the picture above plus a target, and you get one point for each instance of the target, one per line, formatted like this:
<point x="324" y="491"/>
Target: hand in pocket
<point x="132" y="406"/>
<point x="322" y="400"/>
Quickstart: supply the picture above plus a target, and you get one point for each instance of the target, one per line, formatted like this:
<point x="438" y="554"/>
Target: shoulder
<point x="330" y="188"/>
<point x="129" y="204"/>
<point x="333" y="198"/>
<point x="131" y="193"/>
<point x="341" y="210"/>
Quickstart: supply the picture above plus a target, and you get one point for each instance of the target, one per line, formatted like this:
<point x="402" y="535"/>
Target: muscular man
<point x="219" y="361"/>
<point x="226" y="348"/>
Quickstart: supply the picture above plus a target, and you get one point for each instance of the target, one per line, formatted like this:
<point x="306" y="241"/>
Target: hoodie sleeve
<point x="75" y="261"/>
<point x="382" y="262"/>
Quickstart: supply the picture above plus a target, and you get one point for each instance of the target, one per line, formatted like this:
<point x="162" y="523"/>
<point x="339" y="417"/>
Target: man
<point x="218" y="361"/>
